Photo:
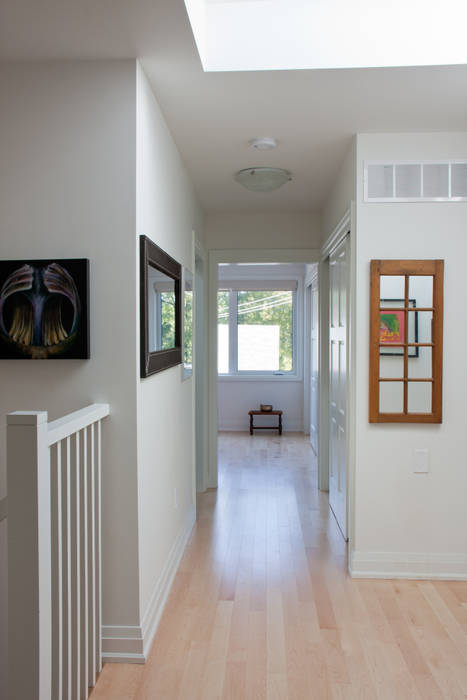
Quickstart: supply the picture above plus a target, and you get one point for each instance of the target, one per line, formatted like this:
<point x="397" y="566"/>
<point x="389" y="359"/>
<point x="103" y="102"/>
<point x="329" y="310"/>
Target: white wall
<point x="236" y="398"/>
<point x="277" y="230"/>
<point x="67" y="190"/>
<point x="406" y="522"/>
<point x="167" y="212"/>
<point x="341" y="194"/>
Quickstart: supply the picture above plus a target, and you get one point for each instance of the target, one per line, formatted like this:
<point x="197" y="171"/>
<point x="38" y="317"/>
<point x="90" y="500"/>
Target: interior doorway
<point x="313" y="393"/>
<point x="285" y="378"/>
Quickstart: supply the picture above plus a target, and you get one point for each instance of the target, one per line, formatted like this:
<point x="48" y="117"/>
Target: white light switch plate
<point x="420" y="461"/>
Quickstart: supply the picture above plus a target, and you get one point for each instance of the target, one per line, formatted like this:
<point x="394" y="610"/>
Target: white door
<point x="314" y="365"/>
<point x="338" y="269"/>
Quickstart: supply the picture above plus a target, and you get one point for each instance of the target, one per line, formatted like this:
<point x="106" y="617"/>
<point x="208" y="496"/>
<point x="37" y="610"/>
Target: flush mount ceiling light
<point x="266" y="143"/>
<point x="263" y="179"/>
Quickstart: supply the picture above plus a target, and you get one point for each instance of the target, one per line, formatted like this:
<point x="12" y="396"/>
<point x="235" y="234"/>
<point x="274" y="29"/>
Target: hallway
<point x="263" y="607"/>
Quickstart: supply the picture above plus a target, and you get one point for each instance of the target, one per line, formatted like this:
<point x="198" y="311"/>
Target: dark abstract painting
<point x="44" y="309"/>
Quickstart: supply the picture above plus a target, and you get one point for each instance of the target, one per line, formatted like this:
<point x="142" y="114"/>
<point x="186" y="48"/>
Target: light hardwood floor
<point x="263" y="607"/>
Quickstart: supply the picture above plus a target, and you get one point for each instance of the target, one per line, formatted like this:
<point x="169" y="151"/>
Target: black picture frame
<point x="152" y="362"/>
<point x="399" y="352"/>
<point x="44" y="309"/>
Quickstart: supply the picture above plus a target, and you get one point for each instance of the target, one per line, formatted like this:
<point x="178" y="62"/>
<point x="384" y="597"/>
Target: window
<point x="257" y="330"/>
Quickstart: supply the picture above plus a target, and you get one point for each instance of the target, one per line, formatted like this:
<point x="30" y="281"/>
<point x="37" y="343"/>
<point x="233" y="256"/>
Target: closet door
<point x="338" y="276"/>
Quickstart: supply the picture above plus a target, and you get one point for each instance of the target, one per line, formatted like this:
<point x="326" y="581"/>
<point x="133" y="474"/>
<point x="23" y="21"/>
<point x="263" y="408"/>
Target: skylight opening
<point x="244" y="35"/>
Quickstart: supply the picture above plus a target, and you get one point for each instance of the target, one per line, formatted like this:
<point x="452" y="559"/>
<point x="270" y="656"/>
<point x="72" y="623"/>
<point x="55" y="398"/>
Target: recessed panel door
<point x="338" y="276"/>
<point x="314" y="366"/>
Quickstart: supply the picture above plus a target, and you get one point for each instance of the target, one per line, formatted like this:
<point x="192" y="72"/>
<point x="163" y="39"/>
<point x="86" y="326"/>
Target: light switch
<point x="420" y="461"/>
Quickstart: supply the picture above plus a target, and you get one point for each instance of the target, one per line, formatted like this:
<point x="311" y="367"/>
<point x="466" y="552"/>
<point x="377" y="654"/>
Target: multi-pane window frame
<point x="295" y="374"/>
<point x="407" y="269"/>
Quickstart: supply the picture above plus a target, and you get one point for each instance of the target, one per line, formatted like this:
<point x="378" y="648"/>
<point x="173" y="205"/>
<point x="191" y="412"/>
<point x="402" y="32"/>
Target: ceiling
<point x="212" y="116"/>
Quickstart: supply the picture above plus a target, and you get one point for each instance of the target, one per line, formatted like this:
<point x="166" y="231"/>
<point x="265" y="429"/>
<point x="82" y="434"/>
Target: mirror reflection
<point x="419" y="397"/>
<point x="188" y="323"/>
<point x="391" y="397"/>
<point x="392" y="287"/>
<point x="161" y="311"/>
<point x="391" y="367"/>
<point x="422" y="369"/>
<point x="393" y="330"/>
<point x="421" y="289"/>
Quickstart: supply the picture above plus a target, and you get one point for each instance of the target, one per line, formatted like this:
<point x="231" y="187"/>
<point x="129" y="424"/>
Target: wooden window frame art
<point x="407" y="269"/>
<point x="157" y="361"/>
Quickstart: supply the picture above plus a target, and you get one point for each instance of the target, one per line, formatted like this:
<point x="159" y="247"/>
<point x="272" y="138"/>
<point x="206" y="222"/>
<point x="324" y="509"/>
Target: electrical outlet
<point x="175" y="498"/>
<point x="420" y="461"/>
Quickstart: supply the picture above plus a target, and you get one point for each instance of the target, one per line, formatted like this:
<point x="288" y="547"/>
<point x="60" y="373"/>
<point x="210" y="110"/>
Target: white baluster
<point x="57" y="563"/>
<point x="84" y="564"/>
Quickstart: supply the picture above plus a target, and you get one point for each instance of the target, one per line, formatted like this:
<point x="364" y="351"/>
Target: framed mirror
<point x="160" y="309"/>
<point x="406" y="341"/>
<point x="187" y="323"/>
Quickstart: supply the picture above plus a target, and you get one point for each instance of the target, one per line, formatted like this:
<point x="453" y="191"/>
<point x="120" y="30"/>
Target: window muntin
<point x="256" y="331"/>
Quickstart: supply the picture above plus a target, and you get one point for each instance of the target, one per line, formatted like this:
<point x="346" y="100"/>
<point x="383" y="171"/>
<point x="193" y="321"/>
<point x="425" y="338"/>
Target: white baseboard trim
<point x="410" y="565"/>
<point x="126" y="644"/>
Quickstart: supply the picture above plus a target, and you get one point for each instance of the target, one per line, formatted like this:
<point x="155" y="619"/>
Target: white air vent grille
<point x="415" y="182"/>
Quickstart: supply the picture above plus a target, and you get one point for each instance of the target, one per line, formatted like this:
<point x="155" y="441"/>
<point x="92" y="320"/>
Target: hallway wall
<point x="167" y="212"/>
<point x="236" y="398"/>
<point x="252" y="230"/>
<point x="67" y="190"/>
<point x="405" y="522"/>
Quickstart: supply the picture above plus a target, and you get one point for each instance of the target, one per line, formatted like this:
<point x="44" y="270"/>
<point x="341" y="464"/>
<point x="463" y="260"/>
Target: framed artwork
<point x="392" y="328"/>
<point x="160" y="309"/>
<point x="44" y="309"/>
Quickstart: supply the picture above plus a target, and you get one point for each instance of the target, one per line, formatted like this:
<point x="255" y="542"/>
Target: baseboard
<point x="242" y="428"/>
<point x="410" y="565"/>
<point x="132" y="644"/>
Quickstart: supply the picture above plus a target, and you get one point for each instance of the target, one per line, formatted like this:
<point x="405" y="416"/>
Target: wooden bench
<point x="265" y="427"/>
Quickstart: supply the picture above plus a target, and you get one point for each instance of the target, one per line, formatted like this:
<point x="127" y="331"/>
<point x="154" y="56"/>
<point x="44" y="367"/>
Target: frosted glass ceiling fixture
<point x="263" y="179"/>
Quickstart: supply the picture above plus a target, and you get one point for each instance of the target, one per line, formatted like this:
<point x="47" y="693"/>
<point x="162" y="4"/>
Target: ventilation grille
<point x="413" y="182"/>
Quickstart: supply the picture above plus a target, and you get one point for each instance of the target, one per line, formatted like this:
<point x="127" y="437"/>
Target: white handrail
<point x="74" y="422"/>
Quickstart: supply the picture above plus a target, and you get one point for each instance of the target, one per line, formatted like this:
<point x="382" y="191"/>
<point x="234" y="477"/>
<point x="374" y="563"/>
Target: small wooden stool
<point x="265" y="427"/>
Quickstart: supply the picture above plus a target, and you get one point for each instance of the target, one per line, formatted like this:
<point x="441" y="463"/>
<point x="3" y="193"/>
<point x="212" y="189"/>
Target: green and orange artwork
<point x="392" y="327"/>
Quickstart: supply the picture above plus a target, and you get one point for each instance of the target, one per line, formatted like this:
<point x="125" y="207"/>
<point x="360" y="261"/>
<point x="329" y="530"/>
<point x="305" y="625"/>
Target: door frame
<point x="200" y="370"/>
<point x="310" y="279"/>
<point x="346" y="226"/>
<point x="299" y="255"/>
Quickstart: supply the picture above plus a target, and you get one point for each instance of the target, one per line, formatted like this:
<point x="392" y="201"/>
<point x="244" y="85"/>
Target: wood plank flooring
<point x="263" y="607"/>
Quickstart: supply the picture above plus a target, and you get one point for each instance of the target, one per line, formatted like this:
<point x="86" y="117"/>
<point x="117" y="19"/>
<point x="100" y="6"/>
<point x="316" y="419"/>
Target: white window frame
<point x="296" y="374"/>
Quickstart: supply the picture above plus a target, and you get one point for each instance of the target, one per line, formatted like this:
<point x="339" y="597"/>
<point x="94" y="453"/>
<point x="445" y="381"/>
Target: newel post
<point x="29" y="556"/>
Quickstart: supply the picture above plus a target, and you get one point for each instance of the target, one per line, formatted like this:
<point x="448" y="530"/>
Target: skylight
<point x="243" y="35"/>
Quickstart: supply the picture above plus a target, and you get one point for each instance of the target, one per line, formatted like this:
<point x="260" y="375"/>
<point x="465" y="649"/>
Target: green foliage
<point x="168" y="320"/>
<point x="188" y="328"/>
<point x="223" y="307"/>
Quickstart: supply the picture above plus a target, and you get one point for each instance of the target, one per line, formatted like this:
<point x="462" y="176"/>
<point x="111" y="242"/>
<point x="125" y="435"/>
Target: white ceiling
<point x="212" y="116"/>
